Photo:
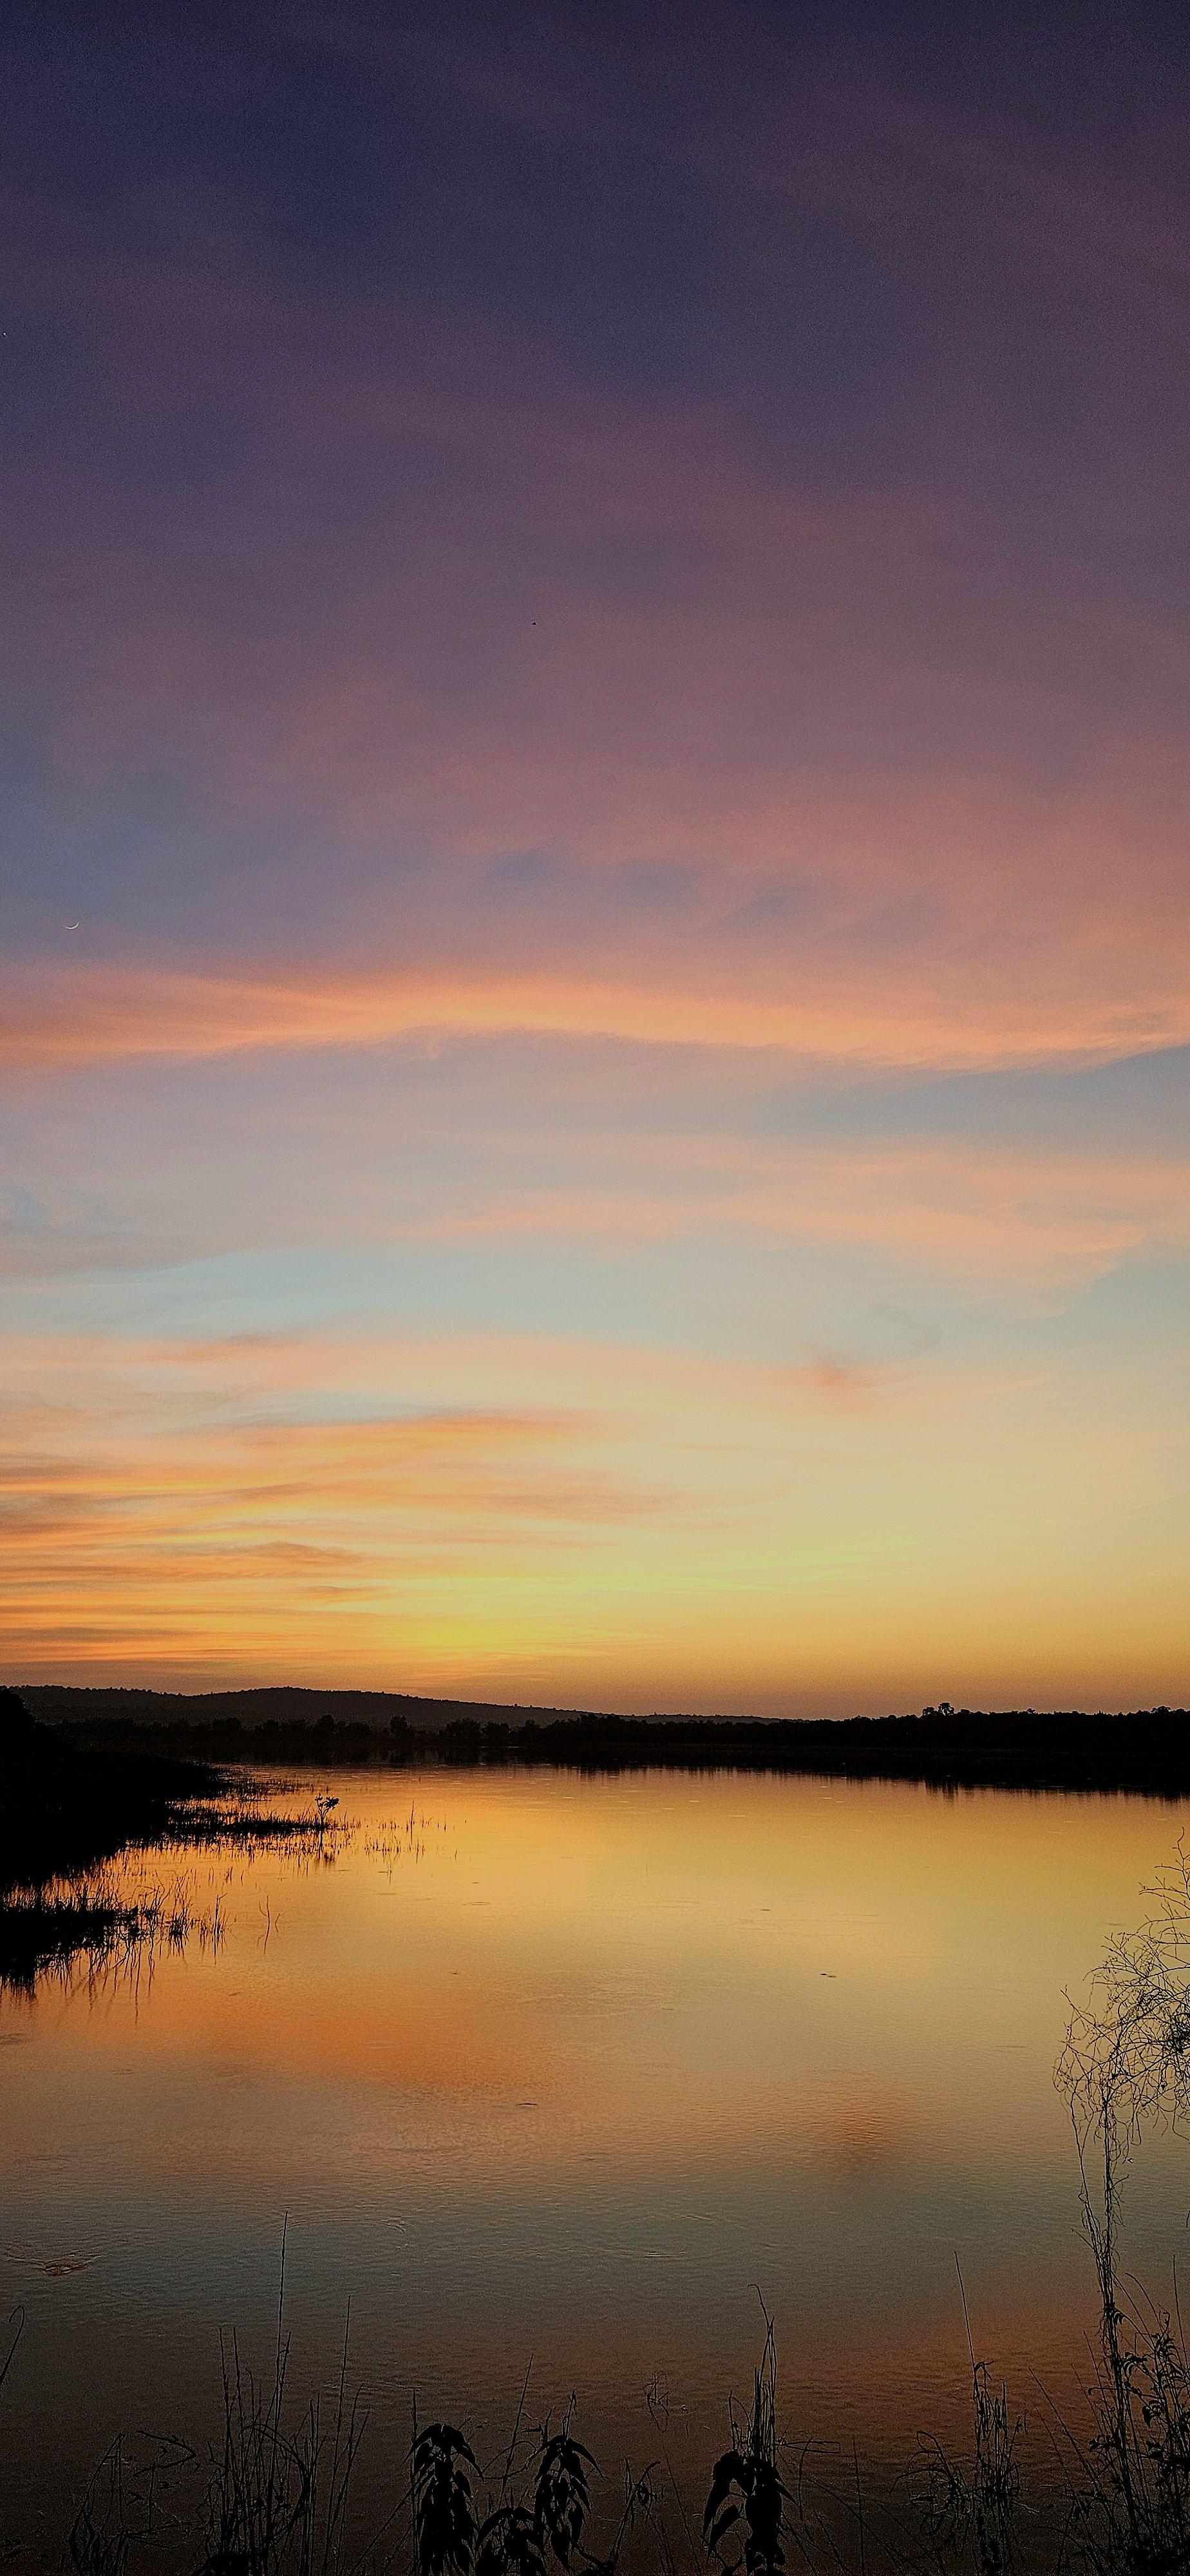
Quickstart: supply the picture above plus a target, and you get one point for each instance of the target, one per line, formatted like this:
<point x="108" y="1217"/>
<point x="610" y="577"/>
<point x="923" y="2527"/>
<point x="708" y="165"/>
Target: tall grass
<point x="1126" y="2066"/>
<point x="970" y="2508"/>
<point x="89" y="1924"/>
<point x="83" y="1920"/>
<point x="277" y="2500"/>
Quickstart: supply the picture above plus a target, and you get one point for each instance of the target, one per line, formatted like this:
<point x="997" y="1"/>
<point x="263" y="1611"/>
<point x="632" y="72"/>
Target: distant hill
<point x="87" y="1704"/>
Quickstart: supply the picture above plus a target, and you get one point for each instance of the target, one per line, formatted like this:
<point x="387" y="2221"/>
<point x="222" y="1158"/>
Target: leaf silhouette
<point x="509" y="2544"/>
<point x="562" y="2494"/>
<point x="444" y="2512"/>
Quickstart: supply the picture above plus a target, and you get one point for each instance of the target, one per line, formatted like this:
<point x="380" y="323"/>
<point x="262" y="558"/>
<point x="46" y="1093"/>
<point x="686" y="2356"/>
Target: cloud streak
<point x="55" y="1017"/>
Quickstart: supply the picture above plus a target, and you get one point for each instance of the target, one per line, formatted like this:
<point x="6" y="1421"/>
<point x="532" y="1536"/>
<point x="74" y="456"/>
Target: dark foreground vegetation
<point x="278" y="2494"/>
<point x="1146" y="1751"/>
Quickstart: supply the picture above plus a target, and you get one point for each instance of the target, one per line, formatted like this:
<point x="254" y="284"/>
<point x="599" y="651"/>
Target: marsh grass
<point x="91" y="1925"/>
<point x="277" y="2500"/>
<point x="86" y="1921"/>
<point x="414" y="1837"/>
<point x="970" y="2506"/>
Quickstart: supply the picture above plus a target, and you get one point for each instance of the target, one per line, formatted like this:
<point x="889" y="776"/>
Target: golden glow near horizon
<point x="559" y="1518"/>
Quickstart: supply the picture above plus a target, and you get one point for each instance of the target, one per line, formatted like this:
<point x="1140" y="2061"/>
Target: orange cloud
<point x="56" y="1017"/>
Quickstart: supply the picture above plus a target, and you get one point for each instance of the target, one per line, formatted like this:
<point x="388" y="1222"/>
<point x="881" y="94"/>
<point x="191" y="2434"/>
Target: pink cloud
<point x="54" y="1017"/>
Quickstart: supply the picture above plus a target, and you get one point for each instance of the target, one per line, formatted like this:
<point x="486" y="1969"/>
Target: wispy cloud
<point x="523" y="1139"/>
<point x="56" y="1016"/>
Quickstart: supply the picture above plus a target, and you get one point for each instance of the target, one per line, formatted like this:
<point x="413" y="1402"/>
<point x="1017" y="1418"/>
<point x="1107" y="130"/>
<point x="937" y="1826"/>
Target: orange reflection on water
<point x="539" y="2063"/>
<point x="636" y="1950"/>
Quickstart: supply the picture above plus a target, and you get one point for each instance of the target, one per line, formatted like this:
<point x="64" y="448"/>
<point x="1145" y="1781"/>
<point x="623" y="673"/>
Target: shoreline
<point x="1145" y="1752"/>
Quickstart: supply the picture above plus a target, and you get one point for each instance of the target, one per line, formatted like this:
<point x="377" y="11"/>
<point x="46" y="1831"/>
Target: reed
<point x="52" y="1923"/>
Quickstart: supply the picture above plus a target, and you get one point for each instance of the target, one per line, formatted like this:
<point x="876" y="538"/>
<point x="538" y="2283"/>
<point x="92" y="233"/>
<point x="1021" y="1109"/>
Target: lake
<point x="563" y="2074"/>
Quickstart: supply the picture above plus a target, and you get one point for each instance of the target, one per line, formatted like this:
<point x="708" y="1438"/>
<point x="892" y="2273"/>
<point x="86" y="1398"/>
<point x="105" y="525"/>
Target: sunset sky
<point x="594" y="890"/>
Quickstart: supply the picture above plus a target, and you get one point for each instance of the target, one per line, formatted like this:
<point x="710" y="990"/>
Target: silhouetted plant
<point x="746" y="2485"/>
<point x="16" y="2324"/>
<point x="277" y="2501"/>
<point x="443" y="2503"/>
<point x="1126" y="2062"/>
<point x="509" y="2544"/>
<point x="259" y="2490"/>
<point x="562" y="2493"/>
<point x="970" y="2512"/>
<point x="100" y="2538"/>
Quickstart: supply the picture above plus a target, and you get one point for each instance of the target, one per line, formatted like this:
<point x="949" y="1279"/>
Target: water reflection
<point x="562" y="2067"/>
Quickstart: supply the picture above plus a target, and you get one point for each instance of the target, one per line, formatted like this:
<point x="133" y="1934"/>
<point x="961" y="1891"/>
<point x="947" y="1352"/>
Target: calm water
<point x="565" y="2070"/>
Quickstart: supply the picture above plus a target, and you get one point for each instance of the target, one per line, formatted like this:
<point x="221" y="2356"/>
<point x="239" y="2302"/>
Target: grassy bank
<point x="66" y="1809"/>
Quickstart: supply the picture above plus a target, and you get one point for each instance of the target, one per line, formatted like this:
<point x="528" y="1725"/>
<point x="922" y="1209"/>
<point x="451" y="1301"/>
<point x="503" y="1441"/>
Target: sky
<point x="594" y="906"/>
